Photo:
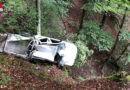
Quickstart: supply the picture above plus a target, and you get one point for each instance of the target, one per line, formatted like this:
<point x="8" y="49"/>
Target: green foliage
<point x="65" y="73"/>
<point x="81" y="79"/>
<point x="124" y="35"/>
<point x="47" y="69"/>
<point x="92" y="34"/>
<point x="92" y="6"/>
<point x="72" y="24"/>
<point x="59" y="80"/>
<point x="52" y="8"/>
<point x="2" y="69"/>
<point x="52" y="12"/>
<point x="126" y="79"/>
<point x="3" y="60"/>
<point x="3" y="1"/>
<point x="16" y="84"/>
<point x="15" y="62"/>
<point x="23" y="18"/>
<point x="114" y="6"/>
<point x="83" y="53"/>
<point x="129" y="57"/>
<point x="2" y="28"/>
<point x="121" y="77"/>
<point x="125" y="58"/>
<point x="4" y="79"/>
<point x="71" y="37"/>
<point x="107" y="5"/>
<point x="14" y="6"/>
<point x="55" y="33"/>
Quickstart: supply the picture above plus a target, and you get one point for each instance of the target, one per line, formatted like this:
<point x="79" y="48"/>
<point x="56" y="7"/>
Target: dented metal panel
<point x="3" y="38"/>
<point x="14" y="44"/>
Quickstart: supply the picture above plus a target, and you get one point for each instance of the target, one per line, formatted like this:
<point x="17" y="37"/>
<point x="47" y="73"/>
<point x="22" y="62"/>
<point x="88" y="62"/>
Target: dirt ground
<point x="92" y="68"/>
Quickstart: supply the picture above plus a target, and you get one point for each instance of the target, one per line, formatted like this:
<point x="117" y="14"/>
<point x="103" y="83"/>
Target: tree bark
<point x="81" y="21"/>
<point x="104" y="16"/>
<point x="117" y="38"/>
<point x="39" y="17"/>
<point x="36" y="4"/>
<point x="82" y="18"/>
<point x="125" y="49"/>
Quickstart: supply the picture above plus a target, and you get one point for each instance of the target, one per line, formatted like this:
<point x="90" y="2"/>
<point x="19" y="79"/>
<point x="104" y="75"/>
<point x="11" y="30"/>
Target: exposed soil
<point x="109" y="28"/>
<point x="92" y="68"/>
<point x="72" y="21"/>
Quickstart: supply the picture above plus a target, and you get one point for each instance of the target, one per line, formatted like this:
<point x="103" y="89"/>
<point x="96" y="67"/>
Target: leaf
<point x="129" y="57"/>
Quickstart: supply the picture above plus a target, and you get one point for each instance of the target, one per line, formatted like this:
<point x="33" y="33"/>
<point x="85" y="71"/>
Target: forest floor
<point x="27" y="76"/>
<point x="17" y="74"/>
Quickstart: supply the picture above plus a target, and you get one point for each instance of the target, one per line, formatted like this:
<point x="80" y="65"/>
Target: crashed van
<point x="39" y="47"/>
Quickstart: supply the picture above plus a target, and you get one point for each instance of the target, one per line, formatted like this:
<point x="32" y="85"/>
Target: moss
<point x="120" y="77"/>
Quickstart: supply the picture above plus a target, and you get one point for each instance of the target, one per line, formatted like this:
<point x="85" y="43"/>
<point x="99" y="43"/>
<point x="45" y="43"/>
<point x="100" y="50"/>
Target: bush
<point x="22" y="18"/>
<point x="123" y="43"/>
<point x="52" y="13"/>
<point x="92" y="34"/>
<point x="83" y="53"/>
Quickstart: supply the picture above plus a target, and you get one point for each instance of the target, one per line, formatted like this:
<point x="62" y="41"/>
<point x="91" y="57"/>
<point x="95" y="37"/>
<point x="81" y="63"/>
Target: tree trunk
<point x="123" y="52"/>
<point x="82" y="18"/>
<point x="81" y="21"/>
<point x="117" y="38"/>
<point x="36" y="1"/>
<point x="104" y="16"/>
<point x="39" y="18"/>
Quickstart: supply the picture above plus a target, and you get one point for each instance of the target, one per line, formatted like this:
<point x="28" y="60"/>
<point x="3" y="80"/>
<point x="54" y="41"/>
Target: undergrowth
<point x="4" y="79"/>
<point x="93" y="34"/>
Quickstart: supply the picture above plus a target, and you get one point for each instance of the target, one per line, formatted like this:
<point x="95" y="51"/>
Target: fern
<point x="114" y="6"/>
<point x="83" y="53"/>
